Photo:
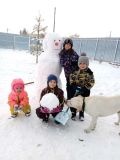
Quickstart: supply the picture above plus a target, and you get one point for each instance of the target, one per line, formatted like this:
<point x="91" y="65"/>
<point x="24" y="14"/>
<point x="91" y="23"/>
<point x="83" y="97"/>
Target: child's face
<point x="18" y="88"/>
<point x="52" y="84"/>
<point x="67" y="46"/>
<point x="82" y="66"/>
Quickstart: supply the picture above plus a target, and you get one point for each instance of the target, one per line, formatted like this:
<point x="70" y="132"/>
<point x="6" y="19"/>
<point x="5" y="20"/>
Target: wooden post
<point x="54" y="19"/>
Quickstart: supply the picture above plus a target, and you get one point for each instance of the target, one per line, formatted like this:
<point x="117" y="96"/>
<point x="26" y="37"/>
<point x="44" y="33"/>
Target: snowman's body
<point x="49" y="101"/>
<point x="49" y="62"/>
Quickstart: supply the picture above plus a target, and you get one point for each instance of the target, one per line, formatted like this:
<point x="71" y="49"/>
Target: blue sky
<point x="88" y="18"/>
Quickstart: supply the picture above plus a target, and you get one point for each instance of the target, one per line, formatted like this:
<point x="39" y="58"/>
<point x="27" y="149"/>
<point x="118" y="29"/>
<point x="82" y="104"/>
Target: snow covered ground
<point x="27" y="138"/>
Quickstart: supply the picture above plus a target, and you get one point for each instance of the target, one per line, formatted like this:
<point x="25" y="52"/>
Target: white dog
<point x="97" y="106"/>
<point x="48" y="62"/>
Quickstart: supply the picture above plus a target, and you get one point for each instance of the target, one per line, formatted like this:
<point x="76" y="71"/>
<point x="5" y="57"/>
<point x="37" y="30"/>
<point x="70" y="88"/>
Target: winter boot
<point x="27" y="114"/>
<point x="73" y="117"/>
<point x="14" y="115"/>
<point x="81" y="116"/>
<point x="73" y="111"/>
<point x="46" y="118"/>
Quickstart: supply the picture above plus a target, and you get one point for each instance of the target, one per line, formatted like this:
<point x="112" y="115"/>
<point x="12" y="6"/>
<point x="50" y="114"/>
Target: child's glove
<point x="66" y="63"/>
<point x="44" y="110"/>
<point x="16" y="106"/>
<point x="81" y="91"/>
<point x="78" y="91"/>
<point x="20" y="107"/>
<point x="57" y="109"/>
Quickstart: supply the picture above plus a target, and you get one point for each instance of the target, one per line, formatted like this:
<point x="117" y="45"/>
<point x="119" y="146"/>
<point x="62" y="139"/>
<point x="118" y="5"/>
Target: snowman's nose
<point x="56" y="43"/>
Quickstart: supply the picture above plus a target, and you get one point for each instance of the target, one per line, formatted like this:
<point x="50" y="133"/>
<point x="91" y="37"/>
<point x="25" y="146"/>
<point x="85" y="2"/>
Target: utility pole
<point x="7" y="30"/>
<point x="110" y="34"/>
<point x="54" y="19"/>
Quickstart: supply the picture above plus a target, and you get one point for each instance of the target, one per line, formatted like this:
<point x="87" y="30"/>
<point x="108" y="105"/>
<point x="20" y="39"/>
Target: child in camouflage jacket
<point x="81" y="81"/>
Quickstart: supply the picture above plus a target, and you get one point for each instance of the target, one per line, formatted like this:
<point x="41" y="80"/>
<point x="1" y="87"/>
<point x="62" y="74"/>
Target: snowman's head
<point x="52" y="43"/>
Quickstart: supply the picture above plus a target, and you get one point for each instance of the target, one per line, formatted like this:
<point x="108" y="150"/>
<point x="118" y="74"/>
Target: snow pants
<point x="25" y="109"/>
<point x="43" y="115"/>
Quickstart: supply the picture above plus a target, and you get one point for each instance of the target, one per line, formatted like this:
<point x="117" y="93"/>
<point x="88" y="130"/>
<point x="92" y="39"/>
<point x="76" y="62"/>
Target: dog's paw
<point x="87" y="130"/>
<point x="116" y="123"/>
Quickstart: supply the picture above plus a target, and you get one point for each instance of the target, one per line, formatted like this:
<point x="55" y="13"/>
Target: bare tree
<point x="38" y="34"/>
<point x="75" y="35"/>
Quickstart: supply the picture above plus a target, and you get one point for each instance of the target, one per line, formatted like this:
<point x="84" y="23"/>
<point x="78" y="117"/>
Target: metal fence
<point x="101" y="49"/>
<point x="14" y="41"/>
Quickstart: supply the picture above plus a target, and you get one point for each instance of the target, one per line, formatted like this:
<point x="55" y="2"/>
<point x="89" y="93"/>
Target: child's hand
<point x="45" y="110"/>
<point x="20" y="107"/>
<point x="66" y="63"/>
<point x="57" y="109"/>
<point x="16" y="107"/>
<point x="78" y="89"/>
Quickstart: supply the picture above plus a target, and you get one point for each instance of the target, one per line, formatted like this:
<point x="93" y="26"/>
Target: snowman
<point x="49" y="62"/>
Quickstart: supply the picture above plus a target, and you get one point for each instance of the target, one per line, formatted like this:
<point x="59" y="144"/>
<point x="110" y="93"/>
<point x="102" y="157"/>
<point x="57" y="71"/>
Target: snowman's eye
<point x="54" y="40"/>
<point x="59" y="40"/>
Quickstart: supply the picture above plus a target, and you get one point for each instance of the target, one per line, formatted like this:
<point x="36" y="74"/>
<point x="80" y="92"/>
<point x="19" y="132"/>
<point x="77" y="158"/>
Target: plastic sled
<point x="63" y="117"/>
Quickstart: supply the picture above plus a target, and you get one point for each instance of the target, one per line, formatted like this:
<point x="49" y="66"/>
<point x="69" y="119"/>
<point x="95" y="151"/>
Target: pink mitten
<point x="57" y="109"/>
<point x="16" y="107"/>
<point x="45" y="110"/>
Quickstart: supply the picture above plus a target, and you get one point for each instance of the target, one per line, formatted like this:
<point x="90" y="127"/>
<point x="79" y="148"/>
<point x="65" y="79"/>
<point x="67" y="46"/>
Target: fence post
<point x="80" y="46"/>
<point x="14" y="42"/>
<point x="116" y="51"/>
<point x="29" y="45"/>
<point x="96" y="48"/>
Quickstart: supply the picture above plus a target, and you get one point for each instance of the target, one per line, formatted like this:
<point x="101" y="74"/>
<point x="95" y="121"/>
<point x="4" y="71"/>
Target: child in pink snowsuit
<point x="18" y="98"/>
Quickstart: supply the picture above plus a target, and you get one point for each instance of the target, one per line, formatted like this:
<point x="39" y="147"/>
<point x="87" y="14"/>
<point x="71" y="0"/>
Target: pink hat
<point x="16" y="83"/>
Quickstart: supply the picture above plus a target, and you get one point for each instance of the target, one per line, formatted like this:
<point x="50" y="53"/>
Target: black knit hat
<point x="52" y="77"/>
<point x="68" y="41"/>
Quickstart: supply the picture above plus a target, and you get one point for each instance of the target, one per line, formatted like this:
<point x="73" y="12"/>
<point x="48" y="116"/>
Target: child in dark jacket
<point x="69" y="61"/>
<point x="81" y="82"/>
<point x="52" y="87"/>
